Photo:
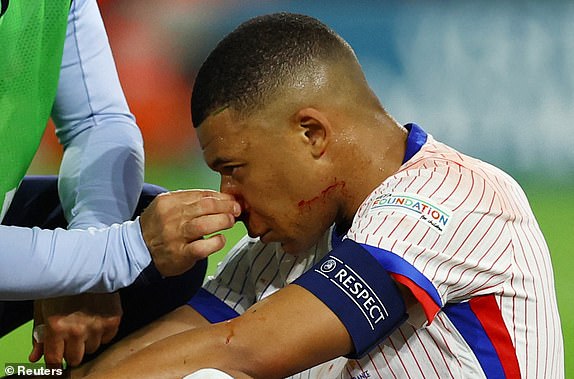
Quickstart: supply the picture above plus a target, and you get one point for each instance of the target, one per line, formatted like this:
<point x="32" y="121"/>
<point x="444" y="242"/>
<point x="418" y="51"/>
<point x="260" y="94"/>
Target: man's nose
<point x="227" y="186"/>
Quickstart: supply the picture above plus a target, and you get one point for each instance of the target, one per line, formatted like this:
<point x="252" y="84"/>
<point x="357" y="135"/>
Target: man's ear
<point x="315" y="129"/>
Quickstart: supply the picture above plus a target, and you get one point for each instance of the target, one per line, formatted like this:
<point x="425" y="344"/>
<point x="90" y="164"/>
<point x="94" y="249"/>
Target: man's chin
<point x="288" y="245"/>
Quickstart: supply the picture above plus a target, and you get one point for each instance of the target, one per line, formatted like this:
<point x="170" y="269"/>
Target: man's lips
<point x="263" y="235"/>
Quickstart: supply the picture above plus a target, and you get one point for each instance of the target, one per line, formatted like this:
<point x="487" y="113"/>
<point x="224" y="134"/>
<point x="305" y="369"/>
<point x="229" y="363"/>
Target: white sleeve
<point x="232" y="283"/>
<point x="252" y="271"/>
<point x="101" y="174"/>
<point x="442" y="232"/>
<point x="39" y="263"/>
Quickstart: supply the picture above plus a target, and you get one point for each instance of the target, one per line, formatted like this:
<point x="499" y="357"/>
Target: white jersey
<point x="460" y="234"/>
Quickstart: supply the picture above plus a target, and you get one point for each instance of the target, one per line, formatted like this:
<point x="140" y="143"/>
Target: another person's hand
<point x="175" y="223"/>
<point x="74" y="325"/>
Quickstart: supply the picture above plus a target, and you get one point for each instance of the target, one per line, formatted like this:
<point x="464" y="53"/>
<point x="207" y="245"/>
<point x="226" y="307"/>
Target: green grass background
<point x="552" y="202"/>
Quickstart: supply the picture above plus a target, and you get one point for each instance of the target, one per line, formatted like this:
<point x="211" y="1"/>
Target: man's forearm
<point x="178" y="356"/>
<point x="270" y="340"/>
<point x="180" y="320"/>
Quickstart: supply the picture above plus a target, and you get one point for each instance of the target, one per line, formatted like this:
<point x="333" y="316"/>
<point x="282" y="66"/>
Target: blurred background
<point x="494" y="79"/>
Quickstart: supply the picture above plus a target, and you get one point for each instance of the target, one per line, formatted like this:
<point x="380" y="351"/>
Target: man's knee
<point x="208" y="373"/>
<point x="36" y="203"/>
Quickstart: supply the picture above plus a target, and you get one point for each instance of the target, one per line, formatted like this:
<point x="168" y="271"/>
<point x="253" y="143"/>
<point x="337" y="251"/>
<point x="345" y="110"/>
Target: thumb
<point x="37" y="333"/>
<point x="37" y="343"/>
<point x="37" y="351"/>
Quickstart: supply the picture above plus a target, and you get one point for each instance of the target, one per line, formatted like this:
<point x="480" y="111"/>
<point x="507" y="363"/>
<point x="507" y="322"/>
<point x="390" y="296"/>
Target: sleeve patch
<point x="425" y="210"/>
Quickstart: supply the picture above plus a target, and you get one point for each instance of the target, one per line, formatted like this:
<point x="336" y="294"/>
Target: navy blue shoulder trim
<point x="417" y="138"/>
<point x="211" y="307"/>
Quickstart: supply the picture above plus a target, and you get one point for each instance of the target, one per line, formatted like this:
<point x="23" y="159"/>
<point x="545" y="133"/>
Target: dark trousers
<point x="36" y="203"/>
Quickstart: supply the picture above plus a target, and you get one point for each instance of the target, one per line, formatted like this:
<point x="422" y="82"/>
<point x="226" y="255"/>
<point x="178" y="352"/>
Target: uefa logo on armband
<point x="328" y="265"/>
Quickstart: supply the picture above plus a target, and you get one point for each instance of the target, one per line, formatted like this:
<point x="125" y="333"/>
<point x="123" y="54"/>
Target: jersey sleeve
<point x="440" y="230"/>
<point x="230" y="291"/>
<point x="250" y="272"/>
<point x="101" y="174"/>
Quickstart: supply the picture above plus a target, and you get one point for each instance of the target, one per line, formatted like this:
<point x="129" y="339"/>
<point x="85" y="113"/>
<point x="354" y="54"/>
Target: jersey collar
<point x="416" y="139"/>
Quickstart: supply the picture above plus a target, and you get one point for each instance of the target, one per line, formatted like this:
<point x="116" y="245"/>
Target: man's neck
<point x="381" y="154"/>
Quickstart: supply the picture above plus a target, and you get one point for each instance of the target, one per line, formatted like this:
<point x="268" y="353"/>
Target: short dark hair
<point x="257" y="58"/>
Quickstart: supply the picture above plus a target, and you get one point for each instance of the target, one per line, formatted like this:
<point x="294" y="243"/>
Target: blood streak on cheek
<point x="332" y="187"/>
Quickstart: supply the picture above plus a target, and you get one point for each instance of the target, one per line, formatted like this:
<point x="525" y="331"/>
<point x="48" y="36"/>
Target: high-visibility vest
<point x="32" y="34"/>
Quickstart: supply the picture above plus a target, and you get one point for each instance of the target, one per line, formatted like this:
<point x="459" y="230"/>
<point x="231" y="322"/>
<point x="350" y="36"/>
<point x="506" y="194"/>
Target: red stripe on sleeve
<point x="486" y="310"/>
<point x="429" y="306"/>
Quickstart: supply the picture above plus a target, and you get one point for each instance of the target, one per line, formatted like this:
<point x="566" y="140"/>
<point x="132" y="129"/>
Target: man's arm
<point x="173" y="228"/>
<point x="40" y="263"/>
<point x="291" y="330"/>
<point x="284" y="334"/>
<point x="101" y="174"/>
<point x="100" y="179"/>
<point x="180" y="320"/>
<point x="187" y="317"/>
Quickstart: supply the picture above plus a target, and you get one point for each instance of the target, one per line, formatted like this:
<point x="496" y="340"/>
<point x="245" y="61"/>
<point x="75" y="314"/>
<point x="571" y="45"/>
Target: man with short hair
<point x="374" y="249"/>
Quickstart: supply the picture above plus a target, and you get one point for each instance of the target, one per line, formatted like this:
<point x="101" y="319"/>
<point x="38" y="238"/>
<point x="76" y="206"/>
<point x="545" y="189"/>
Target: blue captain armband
<point x="360" y="292"/>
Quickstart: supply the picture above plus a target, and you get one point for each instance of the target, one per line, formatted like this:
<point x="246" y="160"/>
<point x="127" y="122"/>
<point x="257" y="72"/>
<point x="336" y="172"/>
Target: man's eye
<point x="228" y="170"/>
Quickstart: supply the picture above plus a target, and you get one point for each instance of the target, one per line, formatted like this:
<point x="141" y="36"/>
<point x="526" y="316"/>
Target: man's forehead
<point x="223" y="137"/>
<point x="220" y="123"/>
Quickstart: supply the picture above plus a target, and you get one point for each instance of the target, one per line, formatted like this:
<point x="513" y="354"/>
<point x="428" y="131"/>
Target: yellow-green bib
<point x="32" y="34"/>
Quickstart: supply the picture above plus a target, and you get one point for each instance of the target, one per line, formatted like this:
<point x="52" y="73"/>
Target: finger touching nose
<point x="228" y="186"/>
